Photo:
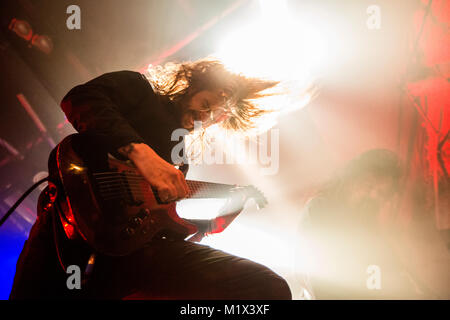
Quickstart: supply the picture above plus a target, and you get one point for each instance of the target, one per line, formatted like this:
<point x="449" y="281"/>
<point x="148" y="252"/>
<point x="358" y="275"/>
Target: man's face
<point x="205" y="106"/>
<point x="370" y="187"/>
<point x="370" y="197"/>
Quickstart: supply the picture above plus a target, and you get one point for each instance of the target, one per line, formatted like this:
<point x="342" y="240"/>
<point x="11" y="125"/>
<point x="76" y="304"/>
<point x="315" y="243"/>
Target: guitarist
<point x="134" y="117"/>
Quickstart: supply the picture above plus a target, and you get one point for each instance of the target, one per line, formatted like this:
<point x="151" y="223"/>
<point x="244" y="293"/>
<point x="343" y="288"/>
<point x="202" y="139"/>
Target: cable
<point x="57" y="213"/>
<point x="15" y="205"/>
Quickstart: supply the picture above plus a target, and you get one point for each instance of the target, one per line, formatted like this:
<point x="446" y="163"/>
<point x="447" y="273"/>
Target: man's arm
<point x="98" y="107"/>
<point x="168" y="180"/>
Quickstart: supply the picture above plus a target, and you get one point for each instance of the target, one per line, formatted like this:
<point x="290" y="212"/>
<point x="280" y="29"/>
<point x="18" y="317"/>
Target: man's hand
<point x="168" y="181"/>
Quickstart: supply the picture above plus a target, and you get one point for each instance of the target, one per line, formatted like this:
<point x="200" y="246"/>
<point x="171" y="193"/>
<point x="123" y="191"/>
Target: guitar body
<point x="104" y="200"/>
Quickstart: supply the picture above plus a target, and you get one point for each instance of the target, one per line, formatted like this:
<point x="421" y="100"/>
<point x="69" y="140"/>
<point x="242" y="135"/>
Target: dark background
<point x="365" y="101"/>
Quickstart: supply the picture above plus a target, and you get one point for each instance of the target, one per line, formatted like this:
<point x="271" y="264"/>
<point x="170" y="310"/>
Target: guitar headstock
<point x="257" y="195"/>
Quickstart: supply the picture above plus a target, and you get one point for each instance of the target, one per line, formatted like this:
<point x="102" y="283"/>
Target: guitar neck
<point x="202" y="189"/>
<point x="198" y="189"/>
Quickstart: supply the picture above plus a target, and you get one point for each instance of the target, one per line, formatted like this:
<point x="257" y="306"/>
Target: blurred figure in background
<point x="349" y="249"/>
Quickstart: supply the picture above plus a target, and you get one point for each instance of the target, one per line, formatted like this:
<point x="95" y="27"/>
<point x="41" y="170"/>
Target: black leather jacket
<point x="121" y="107"/>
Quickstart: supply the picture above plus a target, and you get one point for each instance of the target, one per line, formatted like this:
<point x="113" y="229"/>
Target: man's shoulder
<point x="123" y="80"/>
<point x="119" y="75"/>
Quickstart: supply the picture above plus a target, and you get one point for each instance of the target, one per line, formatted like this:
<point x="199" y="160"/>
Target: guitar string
<point x="120" y="187"/>
<point x="121" y="194"/>
<point x="122" y="191"/>
<point x="113" y="175"/>
<point x="114" y="184"/>
<point x="138" y="184"/>
<point x="125" y="187"/>
<point x="146" y="191"/>
<point x="125" y="193"/>
<point x="136" y="181"/>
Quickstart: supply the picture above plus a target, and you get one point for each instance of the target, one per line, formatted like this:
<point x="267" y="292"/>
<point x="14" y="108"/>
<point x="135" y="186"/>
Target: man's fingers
<point x="183" y="189"/>
<point x="172" y="191"/>
<point x="169" y="183"/>
<point x="166" y="193"/>
<point x="163" y="194"/>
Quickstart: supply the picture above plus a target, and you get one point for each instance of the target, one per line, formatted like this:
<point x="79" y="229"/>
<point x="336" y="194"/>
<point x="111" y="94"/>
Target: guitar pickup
<point x="135" y="202"/>
<point x="135" y="222"/>
<point x="143" y="213"/>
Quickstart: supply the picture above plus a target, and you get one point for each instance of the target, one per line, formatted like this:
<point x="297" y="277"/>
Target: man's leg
<point x="39" y="274"/>
<point x="185" y="270"/>
<point x="37" y="268"/>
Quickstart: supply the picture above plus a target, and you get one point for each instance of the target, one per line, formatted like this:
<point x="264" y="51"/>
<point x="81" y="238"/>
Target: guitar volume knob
<point x="144" y="213"/>
<point x="137" y="221"/>
<point x="129" y="231"/>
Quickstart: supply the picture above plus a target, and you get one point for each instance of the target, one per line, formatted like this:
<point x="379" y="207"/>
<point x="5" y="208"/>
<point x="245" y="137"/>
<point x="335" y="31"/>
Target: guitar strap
<point x="61" y="234"/>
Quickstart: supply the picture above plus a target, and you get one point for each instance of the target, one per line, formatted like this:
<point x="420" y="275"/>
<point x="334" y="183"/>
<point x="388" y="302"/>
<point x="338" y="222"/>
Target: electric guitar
<point x="109" y="205"/>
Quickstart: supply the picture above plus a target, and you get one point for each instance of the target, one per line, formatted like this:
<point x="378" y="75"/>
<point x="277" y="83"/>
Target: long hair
<point x="180" y="81"/>
<point x="243" y="95"/>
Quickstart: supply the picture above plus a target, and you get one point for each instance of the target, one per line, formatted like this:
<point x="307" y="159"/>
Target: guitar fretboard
<point x="202" y="189"/>
<point x="116" y="184"/>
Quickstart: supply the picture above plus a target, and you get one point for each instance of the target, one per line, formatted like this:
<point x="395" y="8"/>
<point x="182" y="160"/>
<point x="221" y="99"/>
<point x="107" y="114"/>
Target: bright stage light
<point x="199" y="208"/>
<point x="21" y="28"/>
<point x="43" y="43"/>
<point x="251" y="242"/>
<point x="276" y="46"/>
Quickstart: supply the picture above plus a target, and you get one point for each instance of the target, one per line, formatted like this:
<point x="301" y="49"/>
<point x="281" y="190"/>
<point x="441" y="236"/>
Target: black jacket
<point x="121" y="107"/>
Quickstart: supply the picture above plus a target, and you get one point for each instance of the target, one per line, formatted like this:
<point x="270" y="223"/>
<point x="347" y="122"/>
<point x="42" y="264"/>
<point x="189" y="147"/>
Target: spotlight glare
<point x="21" y="28"/>
<point x="43" y="43"/>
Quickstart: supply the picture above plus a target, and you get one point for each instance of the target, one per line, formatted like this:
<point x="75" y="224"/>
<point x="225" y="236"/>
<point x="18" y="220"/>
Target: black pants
<point x="166" y="269"/>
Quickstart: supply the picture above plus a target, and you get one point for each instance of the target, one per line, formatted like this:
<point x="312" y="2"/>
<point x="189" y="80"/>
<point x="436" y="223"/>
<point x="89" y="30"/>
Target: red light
<point x="69" y="230"/>
<point x="43" y="43"/>
<point x="21" y="28"/>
